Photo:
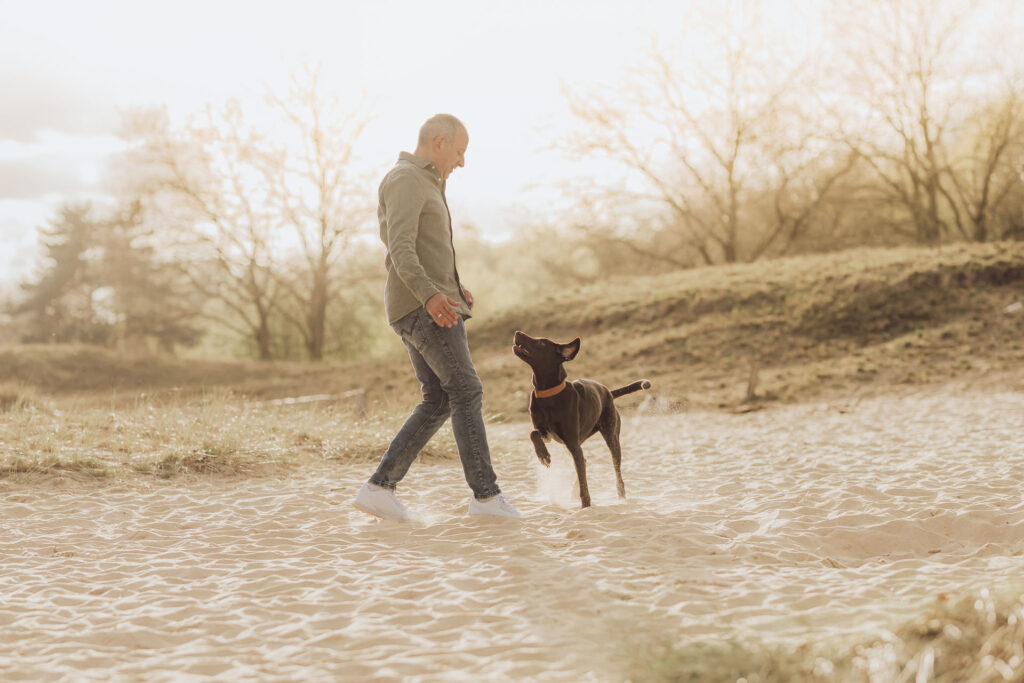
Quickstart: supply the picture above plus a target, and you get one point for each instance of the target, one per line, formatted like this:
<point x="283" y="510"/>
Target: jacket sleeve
<point x="403" y="200"/>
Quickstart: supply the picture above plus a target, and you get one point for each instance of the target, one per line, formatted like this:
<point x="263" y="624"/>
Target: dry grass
<point x="817" y="326"/>
<point x="837" y="326"/>
<point x="16" y="396"/>
<point x="219" y="434"/>
<point x="970" y="639"/>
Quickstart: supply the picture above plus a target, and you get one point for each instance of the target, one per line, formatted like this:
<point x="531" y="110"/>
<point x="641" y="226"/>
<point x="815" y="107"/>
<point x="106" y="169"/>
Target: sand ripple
<point x="773" y="524"/>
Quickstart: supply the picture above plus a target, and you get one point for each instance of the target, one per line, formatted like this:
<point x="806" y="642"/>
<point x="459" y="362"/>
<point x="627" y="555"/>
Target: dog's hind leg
<point x="542" y="450"/>
<point x="581" y="472"/>
<point x="610" y="425"/>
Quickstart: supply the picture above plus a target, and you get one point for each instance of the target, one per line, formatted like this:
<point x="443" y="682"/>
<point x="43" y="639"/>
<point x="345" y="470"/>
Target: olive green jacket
<point x="416" y="229"/>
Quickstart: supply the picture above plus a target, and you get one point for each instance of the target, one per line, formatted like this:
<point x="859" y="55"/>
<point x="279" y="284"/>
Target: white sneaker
<point x="382" y="502"/>
<point x="497" y="506"/>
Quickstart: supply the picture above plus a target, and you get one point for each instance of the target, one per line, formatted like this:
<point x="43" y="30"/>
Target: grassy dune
<point x="819" y="326"/>
<point x="836" y="326"/>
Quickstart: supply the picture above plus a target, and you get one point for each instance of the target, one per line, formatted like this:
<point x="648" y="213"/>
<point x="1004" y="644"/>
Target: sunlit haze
<point x="70" y="69"/>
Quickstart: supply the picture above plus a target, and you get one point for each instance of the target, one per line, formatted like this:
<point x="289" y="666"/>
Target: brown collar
<point x="548" y="393"/>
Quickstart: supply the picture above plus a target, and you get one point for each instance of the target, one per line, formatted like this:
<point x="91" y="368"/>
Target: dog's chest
<point x="545" y="422"/>
<point x="549" y="426"/>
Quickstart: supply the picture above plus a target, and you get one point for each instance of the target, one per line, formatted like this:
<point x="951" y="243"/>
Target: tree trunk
<point x="317" y="315"/>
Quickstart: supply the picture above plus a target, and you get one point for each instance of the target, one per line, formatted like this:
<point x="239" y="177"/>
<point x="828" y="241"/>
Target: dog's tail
<point x="639" y="385"/>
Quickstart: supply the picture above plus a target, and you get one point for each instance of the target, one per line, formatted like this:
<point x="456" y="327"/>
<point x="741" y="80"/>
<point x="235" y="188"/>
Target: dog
<point x="570" y="412"/>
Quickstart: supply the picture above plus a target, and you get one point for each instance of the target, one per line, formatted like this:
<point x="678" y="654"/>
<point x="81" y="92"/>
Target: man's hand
<point x="442" y="311"/>
<point x="468" y="296"/>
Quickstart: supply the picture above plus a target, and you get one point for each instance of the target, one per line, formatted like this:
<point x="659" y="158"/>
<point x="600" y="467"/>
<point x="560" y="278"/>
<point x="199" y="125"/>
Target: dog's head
<point x="543" y="355"/>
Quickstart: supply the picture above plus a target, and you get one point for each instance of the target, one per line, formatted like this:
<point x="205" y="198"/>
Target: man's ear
<point x="570" y="350"/>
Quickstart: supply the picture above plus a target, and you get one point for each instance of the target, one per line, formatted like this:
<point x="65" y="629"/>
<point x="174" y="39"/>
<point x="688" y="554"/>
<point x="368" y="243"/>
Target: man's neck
<point x="425" y="155"/>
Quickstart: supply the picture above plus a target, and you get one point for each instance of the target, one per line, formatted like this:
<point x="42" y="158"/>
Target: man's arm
<point x="403" y="201"/>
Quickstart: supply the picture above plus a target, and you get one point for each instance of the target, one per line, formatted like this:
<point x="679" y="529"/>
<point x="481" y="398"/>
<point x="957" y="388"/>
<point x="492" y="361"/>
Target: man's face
<point x="451" y="155"/>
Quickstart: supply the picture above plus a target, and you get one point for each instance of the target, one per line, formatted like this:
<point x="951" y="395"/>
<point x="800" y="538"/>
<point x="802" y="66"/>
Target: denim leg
<point x="419" y="427"/>
<point x="445" y="354"/>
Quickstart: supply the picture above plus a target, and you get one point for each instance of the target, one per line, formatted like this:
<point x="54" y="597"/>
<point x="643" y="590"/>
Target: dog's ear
<point x="570" y="350"/>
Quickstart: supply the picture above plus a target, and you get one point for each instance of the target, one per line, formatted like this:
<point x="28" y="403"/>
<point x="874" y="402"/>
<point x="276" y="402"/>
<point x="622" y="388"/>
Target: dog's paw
<point x="545" y="460"/>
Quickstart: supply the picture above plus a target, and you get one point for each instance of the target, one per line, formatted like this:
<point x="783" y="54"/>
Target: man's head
<point x="443" y="141"/>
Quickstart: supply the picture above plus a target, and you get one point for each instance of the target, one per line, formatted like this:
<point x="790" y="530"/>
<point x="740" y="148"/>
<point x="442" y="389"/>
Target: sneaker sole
<point x="359" y="507"/>
<point x="494" y="514"/>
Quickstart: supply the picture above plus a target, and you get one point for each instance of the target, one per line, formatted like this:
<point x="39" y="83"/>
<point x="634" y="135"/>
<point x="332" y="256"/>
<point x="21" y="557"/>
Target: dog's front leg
<point x="542" y="450"/>
<point x="581" y="472"/>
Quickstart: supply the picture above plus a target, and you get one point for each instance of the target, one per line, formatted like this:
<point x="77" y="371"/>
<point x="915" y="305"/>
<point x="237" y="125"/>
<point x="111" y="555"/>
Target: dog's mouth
<point x="520" y="350"/>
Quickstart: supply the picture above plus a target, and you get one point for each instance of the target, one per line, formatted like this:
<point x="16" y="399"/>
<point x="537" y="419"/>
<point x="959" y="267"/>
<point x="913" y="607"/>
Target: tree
<point x="62" y="304"/>
<point x="149" y="299"/>
<point x="986" y="169"/>
<point x="315" y="191"/>
<point x="938" y="128"/>
<point x="261" y="223"/>
<point x="723" y="145"/>
<point x="205" y="183"/>
<point x="100" y="283"/>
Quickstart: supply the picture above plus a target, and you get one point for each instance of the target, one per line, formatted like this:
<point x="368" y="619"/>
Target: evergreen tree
<point x="149" y="300"/>
<point x="60" y="306"/>
<point x="102" y="282"/>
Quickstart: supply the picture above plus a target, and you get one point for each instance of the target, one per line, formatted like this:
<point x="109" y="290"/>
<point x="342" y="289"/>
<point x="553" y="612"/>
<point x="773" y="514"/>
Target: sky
<point x="71" y="69"/>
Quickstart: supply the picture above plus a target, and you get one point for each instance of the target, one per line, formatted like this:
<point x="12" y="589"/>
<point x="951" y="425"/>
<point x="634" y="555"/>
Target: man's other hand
<point x="442" y="310"/>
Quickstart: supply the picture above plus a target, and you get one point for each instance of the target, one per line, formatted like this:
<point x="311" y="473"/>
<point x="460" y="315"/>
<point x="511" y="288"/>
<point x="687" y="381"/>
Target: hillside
<point x="845" y="324"/>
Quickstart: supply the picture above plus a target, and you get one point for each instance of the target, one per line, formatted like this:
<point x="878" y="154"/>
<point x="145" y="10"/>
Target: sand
<point x="800" y="523"/>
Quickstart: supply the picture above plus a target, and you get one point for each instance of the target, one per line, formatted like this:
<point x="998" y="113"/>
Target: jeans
<point x="440" y="358"/>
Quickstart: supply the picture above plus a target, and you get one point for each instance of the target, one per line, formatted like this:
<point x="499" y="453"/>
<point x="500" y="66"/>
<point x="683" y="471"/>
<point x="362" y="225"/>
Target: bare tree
<point x="986" y="167"/>
<point x="261" y="223"/>
<point x="723" y="144"/>
<point x="937" y="127"/>
<point x="203" y="183"/>
<point x="315" y="190"/>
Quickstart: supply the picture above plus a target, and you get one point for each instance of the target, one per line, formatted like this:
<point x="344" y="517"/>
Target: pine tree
<point x="60" y="306"/>
<point x="102" y="282"/>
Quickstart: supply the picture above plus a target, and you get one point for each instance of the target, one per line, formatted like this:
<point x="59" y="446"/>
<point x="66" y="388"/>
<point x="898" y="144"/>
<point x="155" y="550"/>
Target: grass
<point x="817" y="326"/>
<point x="835" y="326"/>
<point x="972" y="638"/>
<point x="218" y="434"/>
<point x="16" y="396"/>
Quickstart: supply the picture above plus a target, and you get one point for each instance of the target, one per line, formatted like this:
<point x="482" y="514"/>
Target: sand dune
<point x="791" y="523"/>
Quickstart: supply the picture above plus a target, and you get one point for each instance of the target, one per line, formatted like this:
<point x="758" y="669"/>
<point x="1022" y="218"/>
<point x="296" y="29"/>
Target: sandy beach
<point x="794" y="524"/>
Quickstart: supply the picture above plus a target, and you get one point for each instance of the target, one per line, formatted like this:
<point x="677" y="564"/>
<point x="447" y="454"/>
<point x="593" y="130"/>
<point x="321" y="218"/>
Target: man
<point x="427" y="305"/>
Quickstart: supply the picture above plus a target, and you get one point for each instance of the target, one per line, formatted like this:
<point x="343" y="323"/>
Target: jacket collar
<point x="420" y="163"/>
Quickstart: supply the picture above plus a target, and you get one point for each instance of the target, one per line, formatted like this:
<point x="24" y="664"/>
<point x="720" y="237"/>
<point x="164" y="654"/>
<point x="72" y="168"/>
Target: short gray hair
<point x="440" y="124"/>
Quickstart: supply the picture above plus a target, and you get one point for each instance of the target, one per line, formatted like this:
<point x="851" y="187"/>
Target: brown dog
<point x="570" y="412"/>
